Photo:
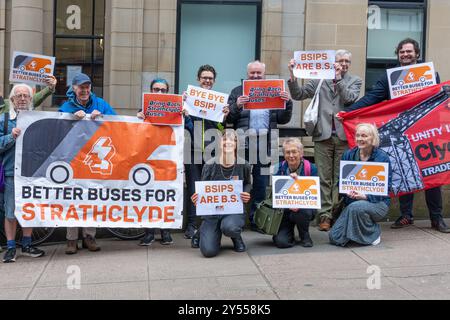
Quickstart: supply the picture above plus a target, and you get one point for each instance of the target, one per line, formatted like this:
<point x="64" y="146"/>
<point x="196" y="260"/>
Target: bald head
<point x="256" y="70"/>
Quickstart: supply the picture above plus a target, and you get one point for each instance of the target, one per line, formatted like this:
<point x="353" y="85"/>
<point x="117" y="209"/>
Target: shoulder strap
<point x="5" y="125"/>
<point x="307" y="165"/>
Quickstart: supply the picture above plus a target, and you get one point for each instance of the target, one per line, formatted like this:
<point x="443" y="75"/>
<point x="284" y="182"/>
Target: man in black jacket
<point x="257" y="124"/>
<point x="408" y="52"/>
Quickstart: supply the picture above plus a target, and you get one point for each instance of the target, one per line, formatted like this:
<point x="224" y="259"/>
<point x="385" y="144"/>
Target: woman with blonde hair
<point x="358" y="221"/>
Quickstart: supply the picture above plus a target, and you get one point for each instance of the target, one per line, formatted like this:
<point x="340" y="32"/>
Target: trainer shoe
<point x="195" y="241"/>
<point x="439" y="225"/>
<point x="325" y="224"/>
<point x="377" y="241"/>
<point x="32" y="252"/>
<point x="148" y="239"/>
<point x="72" y="247"/>
<point x="166" y="238"/>
<point x="402" y="221"/>
<point x="10" y="255"/>
<point x="90" y="244"/>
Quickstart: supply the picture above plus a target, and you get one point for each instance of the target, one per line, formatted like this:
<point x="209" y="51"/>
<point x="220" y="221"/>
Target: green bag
<point x="267" y="218"/>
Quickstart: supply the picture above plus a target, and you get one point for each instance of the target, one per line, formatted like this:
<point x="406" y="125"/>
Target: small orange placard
<point x="264" y="94"/>
<point x="163" y="109"/>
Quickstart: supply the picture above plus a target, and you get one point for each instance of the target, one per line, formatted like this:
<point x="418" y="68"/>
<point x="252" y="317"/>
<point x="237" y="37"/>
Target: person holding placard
<point x="358" y="221"/>
<point x="257" y="124"/>
<point x="329" y="138"/>
<point x="158" y="85"/>
<point x="224" y="167"/>
<point x="295" y="166"/>
<point x="206" y="77"/>
<point x="408" y="53"/>
<point x="21" y="100"/>
<point x="82" y="101"/>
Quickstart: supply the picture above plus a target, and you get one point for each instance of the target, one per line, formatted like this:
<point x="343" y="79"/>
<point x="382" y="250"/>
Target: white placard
<point x="300" y="193"/>
<point x="408" y="79"/>
<point x="219" y="197"/>
<point x="31" y="68"/>
<point x="369" y="178"/>
<point x="205" y="104"/>
<point x="315" y="64"/>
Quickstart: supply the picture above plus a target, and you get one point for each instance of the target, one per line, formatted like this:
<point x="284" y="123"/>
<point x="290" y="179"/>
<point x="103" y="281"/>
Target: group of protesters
<point x="349" y="217"/>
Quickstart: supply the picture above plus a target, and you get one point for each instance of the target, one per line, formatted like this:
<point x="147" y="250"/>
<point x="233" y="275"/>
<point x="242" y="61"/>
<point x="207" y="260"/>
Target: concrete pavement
<point x="414" y="263"/>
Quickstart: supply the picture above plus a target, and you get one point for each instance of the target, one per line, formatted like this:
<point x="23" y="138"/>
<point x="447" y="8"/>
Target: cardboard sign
<point x="315" y="64"/>
<point x="205" y="104"/>
<point x="264" y="94"/>
<point x="117" y="172"/>
<point x="369" y="178"/>
<point x="219" y="197"/>
<point x="31" y="68"/>
<point x="301" y="193"/>
<point x="405" y="80"/>
<point x="163" y="109"/>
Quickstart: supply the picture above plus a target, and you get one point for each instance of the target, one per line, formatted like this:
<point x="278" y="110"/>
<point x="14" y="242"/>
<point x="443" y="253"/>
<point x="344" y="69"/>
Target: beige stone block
<point x="166" y="60"/>
<point x="120" y="96"/>
<point x="336" y="14"/>
<point x="272" y="61"/>
<point x="168" y="4"/>
<point x="273" y="6"/>
<point x="272" y="24"/>
<point x="27" y="41"/>
<point x="150" y="59"/>
<point x="271" y="43"/>
<point x="293" y="25"/>
<point x="151" y="21"/>
<point x="150" y="40"/>
<point x="27" y="19"/>
<point x="167" y="21"/>
<point x="121" y="78"/>
<point x="127" y="20"/>
<point x="167" y="40"/>
<point x="126" y="59"/>
<point x="292" y="43"/>
<point x="128" y="4"/>
<point x="294" y="6"/>
<point x="126" y="39"/>
<point x="351" y="34"/>
<point x="320" y="34"/>
<point x="28" y="3"/>
<point x="151" y="4"/>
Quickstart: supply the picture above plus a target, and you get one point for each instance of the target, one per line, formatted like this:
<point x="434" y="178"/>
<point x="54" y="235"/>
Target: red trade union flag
<point x="415" y="133"/>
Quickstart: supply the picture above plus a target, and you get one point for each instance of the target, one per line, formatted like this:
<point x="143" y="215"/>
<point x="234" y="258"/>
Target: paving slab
<point x="249" y="287"/>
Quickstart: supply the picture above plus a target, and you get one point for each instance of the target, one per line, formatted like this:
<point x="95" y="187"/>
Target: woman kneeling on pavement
<point x="295" y="166"/>
<point x="358" y="221"/>
<point x="224" y="167"/>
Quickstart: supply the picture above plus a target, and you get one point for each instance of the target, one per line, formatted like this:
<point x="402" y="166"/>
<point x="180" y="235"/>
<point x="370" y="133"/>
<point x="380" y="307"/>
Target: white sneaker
<point x="377" y="242"/>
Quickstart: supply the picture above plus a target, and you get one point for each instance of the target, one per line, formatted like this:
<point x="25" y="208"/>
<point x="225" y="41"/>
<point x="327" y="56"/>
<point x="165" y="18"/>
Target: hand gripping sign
<point x="315" y="64"/>
<point x="369" y="178"/>
<point x="31" y="68"/>
<point x="408" y="79"/>
<point x="300" y="193"/>
<point x="115" y="172"/>
<point x="264" y="94"/>
<point x="219" y="197"/>
<point x="205" y="104"/>
<point x="163" y="109"/>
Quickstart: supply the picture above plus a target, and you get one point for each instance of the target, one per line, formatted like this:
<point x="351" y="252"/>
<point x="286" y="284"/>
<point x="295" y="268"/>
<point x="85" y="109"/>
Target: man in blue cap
<point x="82" y="101"/>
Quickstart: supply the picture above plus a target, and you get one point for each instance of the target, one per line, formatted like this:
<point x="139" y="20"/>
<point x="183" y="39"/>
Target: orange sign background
<point x="163" y="109"/>
<point x="264" y="94"/>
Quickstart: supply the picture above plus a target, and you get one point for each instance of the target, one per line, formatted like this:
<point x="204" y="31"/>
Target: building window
<point x="79" y="43"/>
<point x="389" y="22"/>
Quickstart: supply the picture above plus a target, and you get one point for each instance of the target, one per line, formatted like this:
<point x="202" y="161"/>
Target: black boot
<point x="195" y="241"/>
<point x="303" y="231"/>
<point x="239" y="245"/>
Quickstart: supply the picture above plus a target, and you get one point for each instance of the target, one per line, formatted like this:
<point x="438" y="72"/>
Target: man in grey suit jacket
<point x="329" y="137"/>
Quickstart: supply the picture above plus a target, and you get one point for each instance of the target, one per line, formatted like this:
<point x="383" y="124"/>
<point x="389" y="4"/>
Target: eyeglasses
<point x="207" y="78"/>
<point x="22" y="96"/>
<point x="159" y="90"/>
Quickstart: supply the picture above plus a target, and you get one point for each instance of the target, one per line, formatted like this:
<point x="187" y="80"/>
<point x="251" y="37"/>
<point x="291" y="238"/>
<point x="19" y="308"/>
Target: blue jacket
<point x="378" y="155"/>
<point x="8" y="146"/>
<point x="379" y="93"/>
<point x="95" y="103"/>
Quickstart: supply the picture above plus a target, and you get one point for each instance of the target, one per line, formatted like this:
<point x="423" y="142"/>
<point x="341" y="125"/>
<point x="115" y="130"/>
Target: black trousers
<point x="433" y="198"/>
<point x="285" y="237"/>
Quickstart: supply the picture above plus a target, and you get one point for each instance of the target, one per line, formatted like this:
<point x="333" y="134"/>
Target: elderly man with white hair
<point x="258" y="123"/>
<point x="20" y="99"/>
<point x="329" y="138"/>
